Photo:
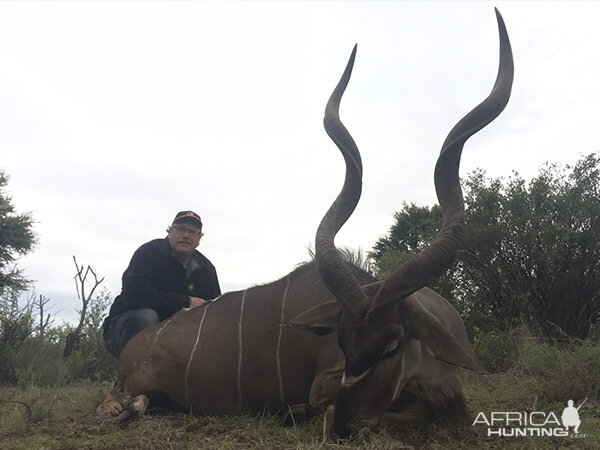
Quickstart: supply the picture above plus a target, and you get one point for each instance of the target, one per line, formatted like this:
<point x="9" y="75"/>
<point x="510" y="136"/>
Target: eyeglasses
<point x="183" y="230"/>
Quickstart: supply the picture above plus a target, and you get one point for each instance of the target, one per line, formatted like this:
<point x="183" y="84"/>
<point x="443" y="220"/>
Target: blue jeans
<point x="126" y="325"/>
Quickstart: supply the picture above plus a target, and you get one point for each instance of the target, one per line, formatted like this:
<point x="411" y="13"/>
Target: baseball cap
<point x="188" y="216"/>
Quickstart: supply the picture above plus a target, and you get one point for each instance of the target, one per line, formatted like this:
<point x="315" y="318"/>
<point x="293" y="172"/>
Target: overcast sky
<point x="116" y="115"/>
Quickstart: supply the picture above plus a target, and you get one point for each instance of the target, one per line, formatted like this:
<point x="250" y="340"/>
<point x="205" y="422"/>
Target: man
<point x="570" y="416"/>
<point x="164" y="276"/>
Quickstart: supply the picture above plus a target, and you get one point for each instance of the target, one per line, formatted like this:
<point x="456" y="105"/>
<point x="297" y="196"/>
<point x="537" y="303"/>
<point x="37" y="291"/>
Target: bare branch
<point x="81" y="281"/>
<point x="40" y="303"/>
<point x="27" y="407"/>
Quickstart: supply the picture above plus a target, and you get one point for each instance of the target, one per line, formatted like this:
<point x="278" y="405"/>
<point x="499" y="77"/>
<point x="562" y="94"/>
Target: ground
<point x="63" y="418"/>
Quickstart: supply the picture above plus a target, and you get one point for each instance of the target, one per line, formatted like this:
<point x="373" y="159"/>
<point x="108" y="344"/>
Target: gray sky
<point x="116" y="115"/>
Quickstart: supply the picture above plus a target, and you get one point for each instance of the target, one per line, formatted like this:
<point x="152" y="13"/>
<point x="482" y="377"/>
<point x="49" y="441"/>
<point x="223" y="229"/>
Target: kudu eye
<point x="349" y="381"/>
<point x="392" y="349"/>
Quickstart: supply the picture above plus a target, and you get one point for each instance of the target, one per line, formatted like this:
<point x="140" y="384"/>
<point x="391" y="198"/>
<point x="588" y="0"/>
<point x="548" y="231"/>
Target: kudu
<point x="328" y="333"/>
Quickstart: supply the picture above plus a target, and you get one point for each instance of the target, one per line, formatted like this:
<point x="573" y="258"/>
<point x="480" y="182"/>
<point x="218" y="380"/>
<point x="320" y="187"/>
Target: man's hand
<point x="196" y="301"/>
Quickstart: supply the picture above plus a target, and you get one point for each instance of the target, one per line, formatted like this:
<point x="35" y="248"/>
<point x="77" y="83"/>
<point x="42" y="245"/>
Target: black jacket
<point x="155" y="279"/>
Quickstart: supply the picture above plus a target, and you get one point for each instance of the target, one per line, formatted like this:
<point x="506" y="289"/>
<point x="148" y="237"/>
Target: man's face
<point x="184" y="237"/>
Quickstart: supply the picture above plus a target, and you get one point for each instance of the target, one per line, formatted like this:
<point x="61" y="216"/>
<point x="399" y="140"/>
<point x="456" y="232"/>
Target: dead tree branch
<point x="44" y="322"/>
<point x="81" y="278"/>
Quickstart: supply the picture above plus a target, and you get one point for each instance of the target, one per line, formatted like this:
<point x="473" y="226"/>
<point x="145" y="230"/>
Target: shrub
<point x="27" y="358"/>
<point x="493" y="350"/>
<point x="558" y="369"/>
<point x="16" y="326"/>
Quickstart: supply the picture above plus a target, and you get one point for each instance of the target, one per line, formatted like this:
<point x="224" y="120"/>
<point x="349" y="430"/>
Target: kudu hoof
<point x="135" y="409"/>
<point x="125" y="417"/>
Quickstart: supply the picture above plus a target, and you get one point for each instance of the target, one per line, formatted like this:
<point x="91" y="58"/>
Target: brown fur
<point x="445" y="398"/>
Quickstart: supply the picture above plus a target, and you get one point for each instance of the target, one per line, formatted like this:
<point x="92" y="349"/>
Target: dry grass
<point x="64" y="419"/>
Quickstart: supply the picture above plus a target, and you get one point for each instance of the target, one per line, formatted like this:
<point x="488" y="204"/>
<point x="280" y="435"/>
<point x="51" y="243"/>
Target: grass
<point x="542" y="377"/>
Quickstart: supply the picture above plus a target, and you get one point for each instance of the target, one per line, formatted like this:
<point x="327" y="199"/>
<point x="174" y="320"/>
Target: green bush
<point x="570" y="372"/>
<point x="559" y="369"/>
<point x="40" y="362"/>
<point x="16" y="327"/>
<point x="493" y="350"/>
<point x="26" y="358"/>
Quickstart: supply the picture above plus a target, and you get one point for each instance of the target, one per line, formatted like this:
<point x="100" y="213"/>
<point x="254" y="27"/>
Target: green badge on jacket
<point x="191" y="287"/>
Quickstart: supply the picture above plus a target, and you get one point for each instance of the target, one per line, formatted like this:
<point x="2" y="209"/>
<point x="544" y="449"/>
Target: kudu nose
<point x="355" y="428"/>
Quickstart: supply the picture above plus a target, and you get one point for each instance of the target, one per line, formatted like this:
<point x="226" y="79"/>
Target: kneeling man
<point x="164" y="276"/>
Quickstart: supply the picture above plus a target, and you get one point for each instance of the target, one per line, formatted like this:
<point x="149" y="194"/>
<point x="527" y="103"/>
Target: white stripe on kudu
<point x="187" y="369"/>
<point x="278" y="356"/>
<point x="160" y="331"/>
<point x="239" y="374"/>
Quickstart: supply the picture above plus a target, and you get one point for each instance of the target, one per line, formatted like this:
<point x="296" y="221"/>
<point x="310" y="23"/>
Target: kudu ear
<point x="321" y="319"/>
<point x="438" y="341"/>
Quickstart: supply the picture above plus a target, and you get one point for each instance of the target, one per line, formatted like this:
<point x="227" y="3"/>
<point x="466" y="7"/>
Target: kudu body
<point x="385" y="349"/>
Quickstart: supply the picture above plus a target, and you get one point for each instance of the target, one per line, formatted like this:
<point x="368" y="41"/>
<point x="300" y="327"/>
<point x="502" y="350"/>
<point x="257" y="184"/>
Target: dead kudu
<point x="327" y="333"/>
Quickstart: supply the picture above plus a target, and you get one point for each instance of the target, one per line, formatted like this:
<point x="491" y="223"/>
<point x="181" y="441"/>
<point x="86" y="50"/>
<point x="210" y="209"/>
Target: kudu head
<point x="377" y="326"/>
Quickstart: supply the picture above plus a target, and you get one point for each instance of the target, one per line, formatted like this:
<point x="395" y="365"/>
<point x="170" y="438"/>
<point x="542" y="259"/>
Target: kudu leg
<point x="323" y="390"/>
<point x="110" y="406"/>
